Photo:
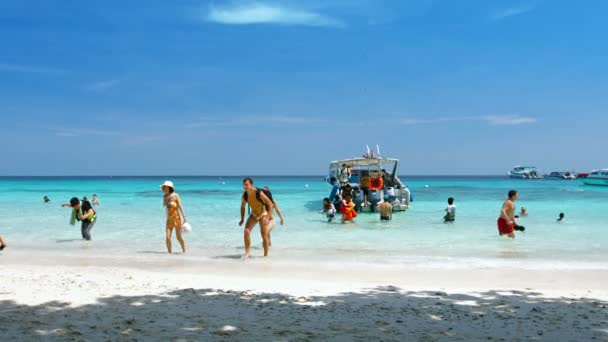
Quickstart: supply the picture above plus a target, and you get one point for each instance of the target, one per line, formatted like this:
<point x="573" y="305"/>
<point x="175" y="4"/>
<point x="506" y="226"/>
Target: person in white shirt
<point x="450" y="211"/>
<point x="344" y="174"/>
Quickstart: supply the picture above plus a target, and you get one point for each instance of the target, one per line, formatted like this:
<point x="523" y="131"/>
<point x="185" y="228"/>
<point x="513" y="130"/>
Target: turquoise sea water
<point x="131" y="221"/>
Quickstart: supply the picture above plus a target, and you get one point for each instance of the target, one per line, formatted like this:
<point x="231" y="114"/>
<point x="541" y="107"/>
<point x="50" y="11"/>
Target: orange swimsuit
<point x="173" y="218"/>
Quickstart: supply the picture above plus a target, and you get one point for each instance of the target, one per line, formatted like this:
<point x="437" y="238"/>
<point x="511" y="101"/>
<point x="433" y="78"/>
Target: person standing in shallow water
<point x="173" y="207"/>
<point x="82" y="211"/>
<point x="506" y="221"/>
<point x="261" y="213"/>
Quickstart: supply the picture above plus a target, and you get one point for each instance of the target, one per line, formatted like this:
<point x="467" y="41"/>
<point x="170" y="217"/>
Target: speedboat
<point x="383" y="180"/>
<point x="597" y="177"/>
<point x="525" y="172"/>
<point x="561" y="175"/>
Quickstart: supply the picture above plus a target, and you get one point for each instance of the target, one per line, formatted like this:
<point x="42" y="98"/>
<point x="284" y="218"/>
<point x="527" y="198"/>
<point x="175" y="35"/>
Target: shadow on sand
<point x="379" y="314"/>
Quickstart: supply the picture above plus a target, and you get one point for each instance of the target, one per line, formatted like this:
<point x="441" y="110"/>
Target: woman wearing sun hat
<point x="173" y="205"/>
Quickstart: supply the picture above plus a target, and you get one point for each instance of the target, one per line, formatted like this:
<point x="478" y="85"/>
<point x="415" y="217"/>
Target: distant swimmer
<point x="261" y="213"/>
<point x="2" y="244"/>
<point x="272" y="223"/>
<point x="328" y="209"/>
<point x="523" y="212"/>
<point x="347" y="208"/>
<point x="450" y="211"/>
<point x="95" y="200"/>
<point x="46" y="199"/>
<point x="561" y="217"/>
<point x="385" y="209"/>
<point x="82" y="211"/>
<point x="506" y="221"/>
<point x="173" y="207"/>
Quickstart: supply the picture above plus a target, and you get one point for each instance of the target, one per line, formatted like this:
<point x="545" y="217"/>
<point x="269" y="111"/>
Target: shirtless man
<point x="506" y="221"/>
<point x="385" y="209"/>
<point x="261" y="212"/>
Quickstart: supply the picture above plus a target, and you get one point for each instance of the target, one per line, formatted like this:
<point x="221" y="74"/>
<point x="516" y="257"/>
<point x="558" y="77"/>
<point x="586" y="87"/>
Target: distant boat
<point x="561" y="175"/>
<point x="525" y="172"/>
<point x="597" y="177"/>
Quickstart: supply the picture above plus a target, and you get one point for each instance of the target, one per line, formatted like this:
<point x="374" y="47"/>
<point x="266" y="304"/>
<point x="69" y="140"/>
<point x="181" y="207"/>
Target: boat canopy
<point x="363" y="162"/>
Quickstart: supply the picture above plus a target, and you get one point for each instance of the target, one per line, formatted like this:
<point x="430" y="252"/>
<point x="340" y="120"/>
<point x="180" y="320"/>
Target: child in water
<point x="561" y="218"/>
<point x="328" y="209"/>
<point x="348" y="209"/>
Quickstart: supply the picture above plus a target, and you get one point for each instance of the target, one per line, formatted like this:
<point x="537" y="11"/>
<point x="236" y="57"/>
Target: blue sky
<point x="282" y="87"/>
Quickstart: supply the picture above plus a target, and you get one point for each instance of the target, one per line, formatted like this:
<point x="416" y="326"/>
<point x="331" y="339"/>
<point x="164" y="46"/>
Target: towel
<point x="74" y="216"/>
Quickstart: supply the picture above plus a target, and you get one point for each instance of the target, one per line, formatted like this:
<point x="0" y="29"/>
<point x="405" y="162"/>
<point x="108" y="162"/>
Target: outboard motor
<point x="358" y="198"/>
<point x="390" y="191"/>
<point x="374" y="197"/>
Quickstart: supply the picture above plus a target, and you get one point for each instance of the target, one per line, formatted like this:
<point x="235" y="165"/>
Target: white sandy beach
<point x="263" y="299"/>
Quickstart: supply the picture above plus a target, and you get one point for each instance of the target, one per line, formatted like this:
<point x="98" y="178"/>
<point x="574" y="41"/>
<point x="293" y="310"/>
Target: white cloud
<point x="508" y="119"/>
<point x="496" y="120"/>
<point x="260" y="13"/>
<point x="29" y="69"/>
<point x="278" y="120"/>
<point x="77" y="132"/>
<point x="102" y="85"/>
<point x="511" y="11"/>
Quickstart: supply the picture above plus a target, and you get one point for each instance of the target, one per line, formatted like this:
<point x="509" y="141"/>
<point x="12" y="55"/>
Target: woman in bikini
<point x="173" y="207"/>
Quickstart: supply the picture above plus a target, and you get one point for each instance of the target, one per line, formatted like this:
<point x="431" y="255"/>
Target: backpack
<point x="258" y="197"/>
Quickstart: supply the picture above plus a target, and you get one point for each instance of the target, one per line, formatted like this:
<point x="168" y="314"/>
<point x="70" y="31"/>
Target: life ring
<point x="376" y="183"/>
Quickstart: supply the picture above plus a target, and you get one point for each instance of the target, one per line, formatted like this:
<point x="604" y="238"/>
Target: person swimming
<point x="46" y="199"/>
<point x="329" y="210"/>
<point x="523" y="212"/>
<point x="561" y="217"/>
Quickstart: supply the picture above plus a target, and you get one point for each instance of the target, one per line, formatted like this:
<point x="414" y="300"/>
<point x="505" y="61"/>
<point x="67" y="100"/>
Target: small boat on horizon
<point x="561" y="175"/>
<point x="525" y="172"/>
<point x="597" y="177"/>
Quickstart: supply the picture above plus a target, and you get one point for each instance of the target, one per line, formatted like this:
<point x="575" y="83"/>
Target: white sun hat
<point x="167" y="183"/>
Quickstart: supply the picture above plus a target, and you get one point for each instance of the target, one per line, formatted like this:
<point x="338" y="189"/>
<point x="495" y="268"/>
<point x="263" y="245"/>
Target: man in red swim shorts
<point x="506" y="221"/>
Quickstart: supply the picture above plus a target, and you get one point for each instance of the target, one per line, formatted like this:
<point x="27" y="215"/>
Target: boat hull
<point x="595" y="181"/>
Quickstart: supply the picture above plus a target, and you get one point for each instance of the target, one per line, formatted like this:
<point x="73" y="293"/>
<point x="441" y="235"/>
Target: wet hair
<point x="451" y="200"/>
<point x="523" y="209"/>
<point x="561" y="215"/>
<point x="326" y="200"/>
<point x="512" y="193"/>
<point x="74" y="201"/>
<point x="248" y="179"/>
